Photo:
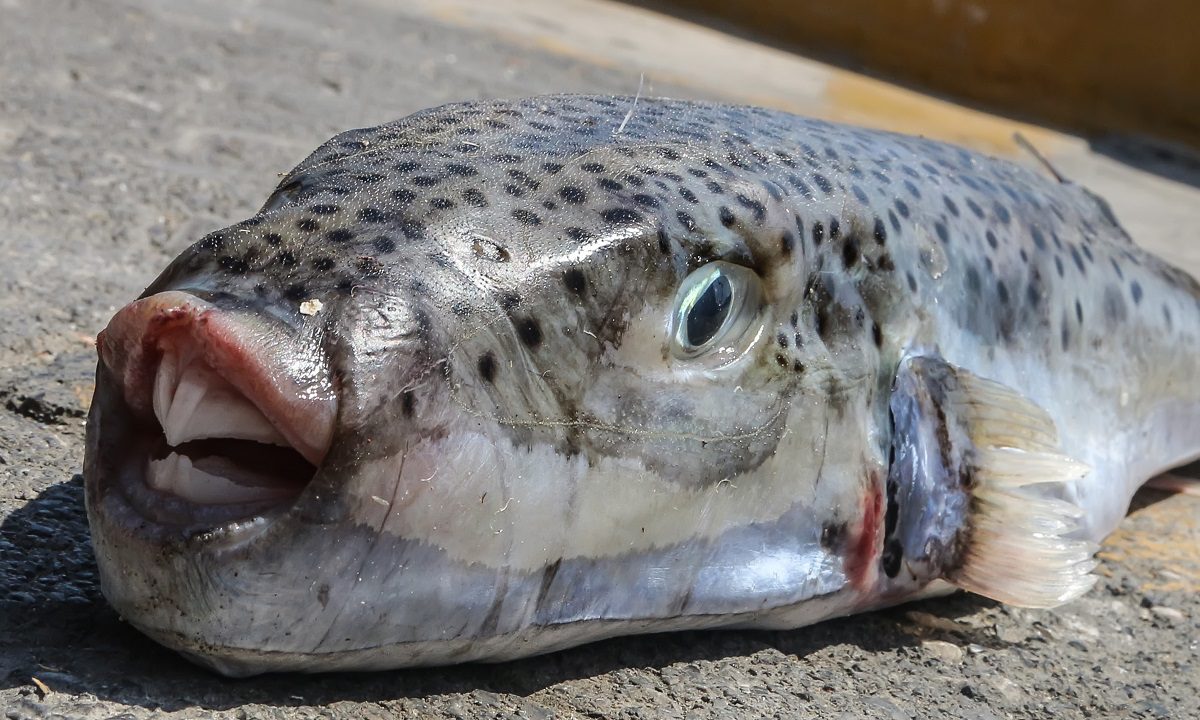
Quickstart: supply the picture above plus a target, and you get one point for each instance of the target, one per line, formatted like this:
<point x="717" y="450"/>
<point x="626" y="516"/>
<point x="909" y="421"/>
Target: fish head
<point x="489" y="381"/>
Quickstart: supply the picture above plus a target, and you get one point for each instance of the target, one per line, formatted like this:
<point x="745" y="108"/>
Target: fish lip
<point x="123" y="431"/>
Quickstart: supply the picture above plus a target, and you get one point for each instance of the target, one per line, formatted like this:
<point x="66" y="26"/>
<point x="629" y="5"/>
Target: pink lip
<point x="269" y="367"/>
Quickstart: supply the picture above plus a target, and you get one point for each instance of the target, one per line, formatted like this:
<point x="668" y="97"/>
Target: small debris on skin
<point x="311" y="307"/>
<point x="42" y="687"/>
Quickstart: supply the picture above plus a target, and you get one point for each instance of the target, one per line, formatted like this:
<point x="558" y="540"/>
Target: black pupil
<point x="708" y="314"/>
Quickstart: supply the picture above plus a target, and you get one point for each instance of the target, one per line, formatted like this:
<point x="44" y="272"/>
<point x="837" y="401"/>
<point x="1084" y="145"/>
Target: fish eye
<point x="717" y="308"/>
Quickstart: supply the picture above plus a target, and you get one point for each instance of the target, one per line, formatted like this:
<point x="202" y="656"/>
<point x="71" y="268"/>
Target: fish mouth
<point x="206" y="419"/>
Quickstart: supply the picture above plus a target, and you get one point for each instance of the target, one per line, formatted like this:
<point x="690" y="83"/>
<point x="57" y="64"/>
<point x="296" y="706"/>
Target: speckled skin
<point x="519" y="464"/>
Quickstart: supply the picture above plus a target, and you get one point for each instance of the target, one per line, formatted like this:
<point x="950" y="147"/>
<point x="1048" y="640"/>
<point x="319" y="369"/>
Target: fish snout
<point x="222" y="412"/>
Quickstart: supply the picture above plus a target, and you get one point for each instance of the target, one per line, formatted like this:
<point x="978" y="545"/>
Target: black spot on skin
<point x="408" y="403"/>
<point x="413" y="229"/>
<point x="1135" y="291"/>
<point x="942" y="233"/>
<point x="441" y="203"/>
<point x="592" y="167"/>
<point x="461" y="170"/>
<point x="368" y="267"/>
<point x="474" y="197"/>
<point x="664" y="242"/>
<point x="234" y="265"/>
<point x="1078" y="260"/>
<point x="753" y="206"/>
<point x="1033" y="291"/>
<point x="575" y="280"/>
<point x="308" y="225"/>
<point x="272" y="238"/>
<point x="371" y="215"/>
<point x="609" y="184"/>
<point x="786" y="243"/>
<point x="902" y="208"/>
<point x="823" y="183"/>
<point x="974" y="285"/>
<point x="404" y="195"/>
<point x="339" y="235"/>
<point x="912" y="282"/>
<point x="323" y="264"/>
<point x="529" y="331"/>
<point x="975" y="209"/>
<point x="686" y="220"/>
<point x="782" y="361"/>
<point x="647" y="201"/>
<point x="880" y="232"/>
<point x="1039" y="240"/>
<point x="1079" y="311"/>
<point x="818" y="232"/>
<point x="1058" y="266"/>
<point x="577" y="234"/>
<point x="1066" y="336"/>
<point x="487" y="367"/>
<point x="526" y="217"/>
<point x="895" y="221"/>
<point x="296" y="292"/>
<point x="835" y="229"/>
<point x="850" y="253"/>
<point x="509" y="300"/>
<point x="877" y="334"/>
<point x="384" y="244"/>
<point x="572" y="195"/>
<point x="324" y="209"/>
<point x="727" y="216"/>
<point x="425" y="181"/>
<point x="991" y="239"/>
<point x="950" y="205"/>
<point x="1002" y="291"/>
<point x="620" y="216"/>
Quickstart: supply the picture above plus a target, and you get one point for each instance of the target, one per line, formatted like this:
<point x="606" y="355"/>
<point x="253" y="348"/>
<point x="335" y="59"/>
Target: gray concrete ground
<point x="130" y="127"/>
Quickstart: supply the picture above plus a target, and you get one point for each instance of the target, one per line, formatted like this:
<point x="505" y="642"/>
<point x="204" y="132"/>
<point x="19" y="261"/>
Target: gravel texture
<point x="129" y="128"/>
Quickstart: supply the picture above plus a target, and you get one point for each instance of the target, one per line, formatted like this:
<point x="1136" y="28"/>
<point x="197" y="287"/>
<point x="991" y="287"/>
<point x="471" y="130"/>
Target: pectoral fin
<point x="978" y="490"/>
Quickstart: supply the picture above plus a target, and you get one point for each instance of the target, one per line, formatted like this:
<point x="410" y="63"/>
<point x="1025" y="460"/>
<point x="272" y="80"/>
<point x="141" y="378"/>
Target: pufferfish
<point x="505" y="377"/>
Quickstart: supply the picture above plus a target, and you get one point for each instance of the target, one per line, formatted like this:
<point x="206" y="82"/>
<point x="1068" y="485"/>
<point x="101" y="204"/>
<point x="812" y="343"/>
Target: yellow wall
<point x="1089" y="65"/>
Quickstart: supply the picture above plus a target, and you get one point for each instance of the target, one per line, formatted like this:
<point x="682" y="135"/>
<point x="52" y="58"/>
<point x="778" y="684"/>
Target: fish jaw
<point x="207" y="423"/>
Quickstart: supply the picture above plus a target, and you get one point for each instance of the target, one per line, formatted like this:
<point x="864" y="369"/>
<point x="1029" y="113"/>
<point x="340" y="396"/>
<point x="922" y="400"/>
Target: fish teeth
<point x="178" y="475"/>
<point x="195" y="403"/>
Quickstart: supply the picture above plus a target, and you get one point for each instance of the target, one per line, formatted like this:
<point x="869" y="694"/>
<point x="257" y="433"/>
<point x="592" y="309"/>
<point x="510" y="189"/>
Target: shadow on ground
<point x="57" y="628"/>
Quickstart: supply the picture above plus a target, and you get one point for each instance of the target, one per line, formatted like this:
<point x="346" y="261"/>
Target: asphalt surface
<point x="130" y="128"/>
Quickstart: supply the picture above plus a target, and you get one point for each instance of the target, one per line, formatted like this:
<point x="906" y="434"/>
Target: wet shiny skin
<point x="515" y="447"/>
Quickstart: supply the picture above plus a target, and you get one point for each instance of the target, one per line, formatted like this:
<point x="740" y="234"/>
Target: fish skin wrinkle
<point x="543" y="371"/>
